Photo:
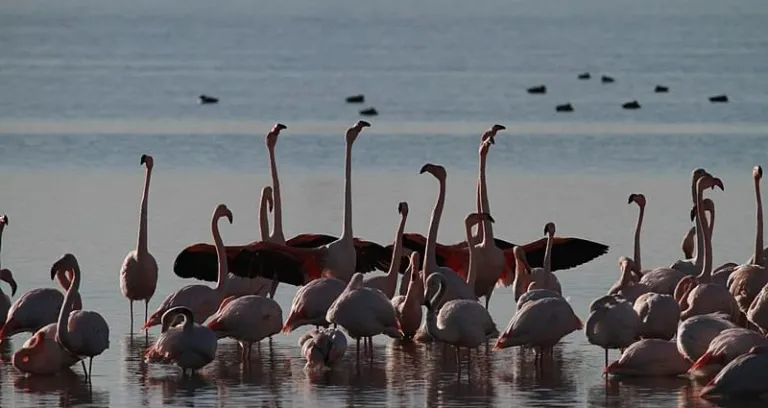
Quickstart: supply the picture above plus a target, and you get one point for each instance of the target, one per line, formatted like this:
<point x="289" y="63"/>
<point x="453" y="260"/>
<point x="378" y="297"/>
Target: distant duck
<point x="585" y="75"/>
<point x="540" y="89"/>
<point x="718" y="98"/>
<point x="607" y="79"/>
<point x="369" y="112"/>
<point x="208" y="100"/>
<point x="359" y="98"/>
<point x="661" y="89"/>
<point x="631" y="105"/>
<point x="566" y="107"/>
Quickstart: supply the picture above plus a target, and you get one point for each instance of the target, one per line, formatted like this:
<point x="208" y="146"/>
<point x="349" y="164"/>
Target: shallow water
<point x="90" y="86"/>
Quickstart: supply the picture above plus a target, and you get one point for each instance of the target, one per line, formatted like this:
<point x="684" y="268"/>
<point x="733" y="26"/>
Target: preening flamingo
<point x="388" y="283"/>
<point x="659" y="315"/>
<point x="628" y="286"/>
<point x="311" y="303"/>
<point x="728" y="345"/>
<point x="758" y="310"/>
<point x="202" y="300"/>
<point x="746" y="282"/>
<point x="650" y="358"/>
<point x="695" y="334"/>
<point x="743" y="377"/>
<point x="37" y="308"/>
<point x="541" y="324"/>
<point x="363" y="312"/>
<point x="138" y="275"/>
<point x="693" y="266"/>
<point x="408" y="307"/>
<point x="613" y="324"/>
<point x="322" y="348"/>
<point x="41" y="354"/>
<point x="82" y="333"/>
<point x="459" y="322"/>
<point x="247" y="319"/>
<point x="189" y="345"/>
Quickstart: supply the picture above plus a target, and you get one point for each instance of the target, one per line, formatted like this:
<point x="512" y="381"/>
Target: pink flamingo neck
<point x="485" y="227"/>
<point x="62" y="329"/>
<point x="638" y="227"/>
<point x="277" y="215"/>
<point x="759" y="235"/>
<point x="472" y="266"/>
<point x="430" y="252"/>
<point x="548" y="253"/>
<point x="701" y="225"/>
<point x="221" y="254"/>
<point x="346" y="233"/>
<point x="397" y="251"/>
<point x="263" y="210"/>
<point x="142" y="245"/>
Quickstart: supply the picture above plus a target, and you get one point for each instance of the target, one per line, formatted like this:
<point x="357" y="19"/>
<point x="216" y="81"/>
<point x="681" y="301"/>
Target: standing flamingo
<point x="247" y="319"/>
<point x="650" y="358"/>
<point x="7" y="276"/>
<point x="189" y="345"/>
<point x="388" y="283"/>
<point x="728" y="345"/>
<point x="138" y="275"/>
<point x="82" y="333"/>
<point x="543" y="277"/>
<point x="322" y="348"/>
<point x="311" y="303"/>
<point x="613" y="324"/>
<point x="742" y="377"/>
<point x="746" y="282"/>
<point x="202" y="300"/>
<point x="628" y="286"/>
<point x="459" y="322"/>
<point x="693" y="266"/>
<point x="659" y="315"/>
<point x="363" y="312"/>
<point x="408" y="307"/>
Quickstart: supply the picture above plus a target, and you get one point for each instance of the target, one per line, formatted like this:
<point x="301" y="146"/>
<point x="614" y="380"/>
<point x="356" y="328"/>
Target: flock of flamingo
<point x="686" y="319"/>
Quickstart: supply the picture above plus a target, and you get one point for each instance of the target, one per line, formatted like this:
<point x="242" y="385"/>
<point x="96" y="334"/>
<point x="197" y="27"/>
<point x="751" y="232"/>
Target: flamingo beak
<point x="693" y="213"/>
<point x="280" y="126"/>
<point x="143" y="158"/>
<point x="718" y="183"/>
<point x="54" y="270"/>
<point x="487" y="217"/>
<point x="631" y="198"/>
<point x="424" y="168"/>
<point x="229" y="216"/>
<point x="363" y="124"/>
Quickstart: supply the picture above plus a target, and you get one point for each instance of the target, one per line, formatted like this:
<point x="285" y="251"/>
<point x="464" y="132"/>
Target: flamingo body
<point x="650" y="357"/>
<point x="311" y="303"/>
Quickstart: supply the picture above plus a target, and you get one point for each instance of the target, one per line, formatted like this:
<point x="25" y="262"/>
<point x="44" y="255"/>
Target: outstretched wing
<point x="371" y="256"/>
<point x="200" y="261"/>
<point x="567" y="252"/>
<point x="310" y="240"/>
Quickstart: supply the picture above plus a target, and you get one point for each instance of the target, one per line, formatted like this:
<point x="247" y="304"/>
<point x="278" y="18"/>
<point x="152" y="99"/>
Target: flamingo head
<point x="637" y="198"/>
<point x="434" y="169"/>
<point x="549" y="229"/>
<point x="148" y="161"/>
<point x="355" y="130"/>
<point x="490" y="134"/>
<point x="266" y="194"/>
<point x="475" y="218"/>
<point x="402" y="208"/>
<point x="3" y="221"/>
<point x="521" y="259"/>
<point x="7" y="276"/>
<point x="35" y="356"/>
<point x="698" y="173"/>
<point x="67" y="262"/>
<point x="757" y="172"/>
<point x="271" y="138"/>
<point x="222" y="211"/>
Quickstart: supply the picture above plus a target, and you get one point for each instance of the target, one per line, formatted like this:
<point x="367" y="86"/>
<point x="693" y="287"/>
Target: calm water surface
<point x="89" y="86"/>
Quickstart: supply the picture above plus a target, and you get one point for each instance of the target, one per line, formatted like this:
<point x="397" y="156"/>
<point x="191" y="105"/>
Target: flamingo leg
<point x="358" y="351"/>
<point x="606" y="358"/>
<point x="130" y="307"/>
<point x="90" y="369"/>
<point x="458" y="360"/>
<point x="82" y="363"/>
<point x="146" y="311"/>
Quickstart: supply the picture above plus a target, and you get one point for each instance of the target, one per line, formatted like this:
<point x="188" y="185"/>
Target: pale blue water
<point x="86" y="87"/>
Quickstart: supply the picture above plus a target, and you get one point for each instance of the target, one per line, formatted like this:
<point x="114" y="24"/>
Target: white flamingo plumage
<point x="728" y="345"/>
<point x="659" y="315"/>
<point x="311" y="303"/>
<point x="247" y="319"/>
<point x="388" y="283"/>
<point x="628" y="285"/>
<point x="743" y="377"/>
<point x="408" y="307"/>
<point x="138" y="275"/>
<point x="758" y="310"/>
<point x="6" y="276"/>
<point x="650" y="358"/>
<point x="202" y="300"/>
<point x="695" y="334"/>
<point x="41" y="354"/>
<point x="612" y="324"/>
<point x="83" y="333"/>
<point x="323" y="348"/>
<point x="189" y="345"/>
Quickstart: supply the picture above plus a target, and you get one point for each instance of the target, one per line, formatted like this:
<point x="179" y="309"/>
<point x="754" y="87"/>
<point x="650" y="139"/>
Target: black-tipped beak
<point x="718" y="183"/>
<point x="630" y="199"/>
<point x="500" y="127"/>
<point x="363" y="124"/>
<point x="424" y="169"/>
<point x="280" y="126"/>
<point x="13" y="287"/>
<point x="401" y="207"/>
<point x="229" y="216"/>
<point x="487" y="217"/>
<point x="143" y="158"/>
<point x="54" y="270"/>
<point x="760" y="171"/>
<point x="693" y="213"/>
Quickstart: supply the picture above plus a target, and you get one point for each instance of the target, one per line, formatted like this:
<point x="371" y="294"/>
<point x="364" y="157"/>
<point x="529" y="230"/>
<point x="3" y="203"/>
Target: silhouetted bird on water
<point x="585" y="75"/>
<point x="631" y="105"/>
<point x="359" y="98"/>
<point x="718" y="98"/>
<point x="369" y="112"/>
<point x="566" y="107"/>
<point x="208" y="100"/>
<point x="541" y="89"/>
<point x="607" y="80"/>
<point x="661" y="89"/>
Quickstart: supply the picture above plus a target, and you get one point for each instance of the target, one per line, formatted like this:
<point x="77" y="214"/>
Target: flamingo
<point x="138" y="275"/>
<point x="6" y="276"/>
<point x="82" y="333"/>
<point x="612" y="323"/>
<point x="388" y="283"/>
<point x="247" y="319"/>
<point x="543" y="277"/>
<point x="37" y="308"/>
<point x="695" y="334"/>
<point x="408" y="307"/>
<point x="522" y="281"/>
<point x="758" y="310"/>
<point x="541" y="324"/>
<point x="650" y="358"/>
<point x="628" y="286"/>
<point x="728" y="345"/>
<point x="363" y="312"/>
<point x="202" y="300"/>
<point x="746" y="282"/>
<point x="742" y="377"/>
<point x="311" y="303"/>
<point x="697" y="295"/>
<point x="323" y="348"/>
<point x="722" y="273"/>
<point x="693" y="266"/>
<point x="41" y="354"/>
<point x="687" y="243"/>
<point x="189" y="345"/>
<point x="405" y="278"/>
<point x="459" y="322"/>
<point x="658" y="315"/>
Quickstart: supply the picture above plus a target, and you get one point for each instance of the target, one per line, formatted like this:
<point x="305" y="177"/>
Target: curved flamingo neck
<point x="698" y="259"/>
<point x="472" y="267"/>
<point x="142" y="245"/>
<point x="759" y="235"/>
<point x="221" y="255"/>
<point x="432" y="328"/>
<point x="263" y="217"/>
<point x="521" y="274"/>
<point x="64" y="278"/>
<point x="430" y="253"/>
<point x="277" y="215"/>
<point x="638" y="228"/>
<point x="480" y="230"/>
<point x="701" y="228"/>
<point x="548" y="254"/>
<point x="397" y="253"/>
<point x="189" y="320"/>
<point x="486" y="225"/>
<point x="346" y="233"/>
<point x="62" y="328"/>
